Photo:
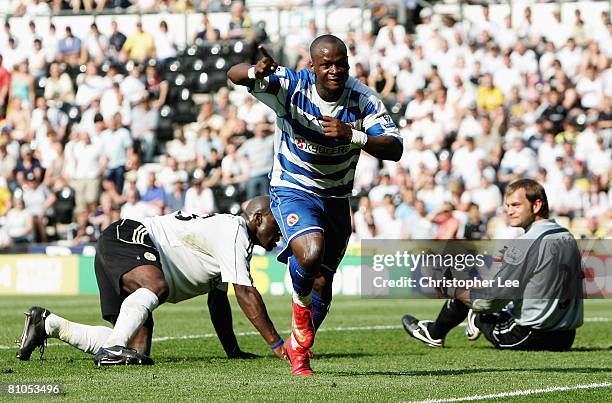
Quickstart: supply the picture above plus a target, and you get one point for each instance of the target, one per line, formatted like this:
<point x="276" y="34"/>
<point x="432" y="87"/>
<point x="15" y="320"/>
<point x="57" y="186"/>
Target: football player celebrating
<point x="170" y="258"/>
<point x="324" y="118"/>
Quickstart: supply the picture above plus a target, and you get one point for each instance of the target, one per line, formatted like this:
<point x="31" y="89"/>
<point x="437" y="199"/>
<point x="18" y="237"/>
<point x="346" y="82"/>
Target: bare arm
<point x="221" y="317"/>
<point x="239" y="73"/>
<point x="253" y="307"/>
<point x="382" y="147"/>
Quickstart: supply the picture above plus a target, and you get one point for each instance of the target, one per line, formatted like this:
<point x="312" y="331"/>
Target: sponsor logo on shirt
<point x="314" y="148"/>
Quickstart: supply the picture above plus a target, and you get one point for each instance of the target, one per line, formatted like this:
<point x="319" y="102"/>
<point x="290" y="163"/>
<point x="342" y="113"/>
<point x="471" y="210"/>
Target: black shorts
<point x="504" y="333"/>
<point x="125" y="244"/>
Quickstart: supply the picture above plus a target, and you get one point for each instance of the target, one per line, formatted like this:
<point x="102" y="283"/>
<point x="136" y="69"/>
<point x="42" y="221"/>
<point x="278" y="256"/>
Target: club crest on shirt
<point x="292" y="219"/>
<point x="150" y="256"/>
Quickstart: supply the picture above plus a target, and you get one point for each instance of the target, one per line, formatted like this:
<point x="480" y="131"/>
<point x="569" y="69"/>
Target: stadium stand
<point x="116" y="108"/>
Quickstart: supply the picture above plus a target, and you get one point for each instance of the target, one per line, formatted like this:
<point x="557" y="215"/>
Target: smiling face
<point x="331" y="68"/>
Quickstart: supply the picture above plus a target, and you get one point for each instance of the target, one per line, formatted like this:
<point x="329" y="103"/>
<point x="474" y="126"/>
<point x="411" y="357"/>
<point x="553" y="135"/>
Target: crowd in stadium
<point x="478" y="104"/>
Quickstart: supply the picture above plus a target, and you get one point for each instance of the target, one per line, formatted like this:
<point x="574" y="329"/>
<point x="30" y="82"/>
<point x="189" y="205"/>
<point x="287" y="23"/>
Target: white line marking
<point x="323" y="330"/>
<point x="519" y="393"/>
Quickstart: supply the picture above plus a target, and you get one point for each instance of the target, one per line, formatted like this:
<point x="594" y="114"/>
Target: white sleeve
<point x="234" y="262"/>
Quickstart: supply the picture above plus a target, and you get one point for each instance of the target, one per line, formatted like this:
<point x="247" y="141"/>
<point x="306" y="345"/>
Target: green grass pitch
<point x="361" y="354"/>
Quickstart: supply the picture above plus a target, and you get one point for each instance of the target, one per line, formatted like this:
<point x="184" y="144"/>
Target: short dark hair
<point x="533" y="192"/>
<point x="316" y="44"/>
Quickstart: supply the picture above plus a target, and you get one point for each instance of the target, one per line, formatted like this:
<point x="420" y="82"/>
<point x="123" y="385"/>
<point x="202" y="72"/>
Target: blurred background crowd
<point x="111" y="125"/>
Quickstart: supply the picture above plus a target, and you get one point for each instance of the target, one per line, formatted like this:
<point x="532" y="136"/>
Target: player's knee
<point x="310" y="255"/>
<point x="159" y="287"/>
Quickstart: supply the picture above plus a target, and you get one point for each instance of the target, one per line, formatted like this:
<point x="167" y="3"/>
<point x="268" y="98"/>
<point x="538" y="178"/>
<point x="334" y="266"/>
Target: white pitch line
<point x="513" y="393"/>
<point x="253" y="333"/>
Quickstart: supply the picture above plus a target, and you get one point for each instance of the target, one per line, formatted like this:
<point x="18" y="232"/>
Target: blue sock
<point x="302" y="281"/>
<point x="320" y="308"/>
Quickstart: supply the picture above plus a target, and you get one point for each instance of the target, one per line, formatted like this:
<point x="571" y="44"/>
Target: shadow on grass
<point x="468" y="371"/>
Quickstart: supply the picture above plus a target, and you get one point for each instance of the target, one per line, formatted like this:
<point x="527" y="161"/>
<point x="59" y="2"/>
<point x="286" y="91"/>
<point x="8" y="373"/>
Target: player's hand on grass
<point x="280" y="352"/>
<point x="241" y="355"/>
<point x="336" y="128"/>
<point x="266" y="65"/>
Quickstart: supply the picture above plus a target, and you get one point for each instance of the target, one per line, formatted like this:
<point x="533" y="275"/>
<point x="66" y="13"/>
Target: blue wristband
<point x="277" y="344"/>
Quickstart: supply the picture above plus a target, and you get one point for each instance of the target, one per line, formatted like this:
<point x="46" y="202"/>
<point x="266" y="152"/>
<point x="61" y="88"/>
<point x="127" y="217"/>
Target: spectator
<point x="58" y="85"/>
<point x="86" y="171"/>
<point x="51" y="44"/>
<point x="115" y="41"/>
<point x="488" y="96"/>
<point x="132" y="87"/>
<point x="175" y="199"/>
<point x="487" y="196"/>
<point x="240" y="24"/>
<point x="63" y="206"/>
<point x="182" y="150"/>
<point x="206" y="32"/>
<point x="154" y="194"/>
<point x="19" y="222"/>
<point x="234" y="168"/>
<point x="139" y="47"/>
<point x="38" y="200"/>
<point x="165" y="45"/>
<point x="27" y="164"/>
<point x="37" y="60"/>
<point x="419" y="226"/>
<point x="476" y="228"/>
<point x="156" y="86"/>
<point x="136" y="209"/>
<point x="69" y="48"/>
<point x="18" y="121"/>
<point x="116" y="142"/>
<point x="95" y="46"/>
<point x="199" y="199"/>
<point x="447" y="224"/>
<point x="90" y="85"/>
<point x="5" y="83"/>
<point x="259" y="155"/>
<point x="13" y="55"/>
<point x="82" y="232"/>
<point x="22" y="86"/>
<point x="145" y="119"/>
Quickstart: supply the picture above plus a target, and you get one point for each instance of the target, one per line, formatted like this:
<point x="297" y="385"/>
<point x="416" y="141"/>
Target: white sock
<point x="302" y="300"/>
<point x="134" y="312"/>
<point x="84" y="337"/>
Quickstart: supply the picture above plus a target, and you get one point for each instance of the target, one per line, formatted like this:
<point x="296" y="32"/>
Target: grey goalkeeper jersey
<point x="547" y="262"/>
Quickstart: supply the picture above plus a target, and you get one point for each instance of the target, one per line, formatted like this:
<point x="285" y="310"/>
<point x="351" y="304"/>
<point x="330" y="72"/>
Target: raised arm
<point x="239" y="73"/>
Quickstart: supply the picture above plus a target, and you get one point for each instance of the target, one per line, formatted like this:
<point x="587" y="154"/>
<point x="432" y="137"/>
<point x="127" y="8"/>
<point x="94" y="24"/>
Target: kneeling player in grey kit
<point x="170" y="258"/>
<point x="547" y="263"/>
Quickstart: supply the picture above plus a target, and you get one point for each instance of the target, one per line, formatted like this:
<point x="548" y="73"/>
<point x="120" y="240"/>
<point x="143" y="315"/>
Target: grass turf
<point x="362" y="353"/>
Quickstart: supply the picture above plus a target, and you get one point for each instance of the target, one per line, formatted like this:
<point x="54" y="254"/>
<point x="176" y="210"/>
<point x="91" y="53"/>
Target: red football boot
<point x="299" y="358"/>
<point x="302" y="325"/>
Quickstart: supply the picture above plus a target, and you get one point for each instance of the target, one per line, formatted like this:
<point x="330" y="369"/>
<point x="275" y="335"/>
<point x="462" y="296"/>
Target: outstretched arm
<point x="221" y="317"/>
<point x="239" y="73"/>
<point x="254" y="308"/>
